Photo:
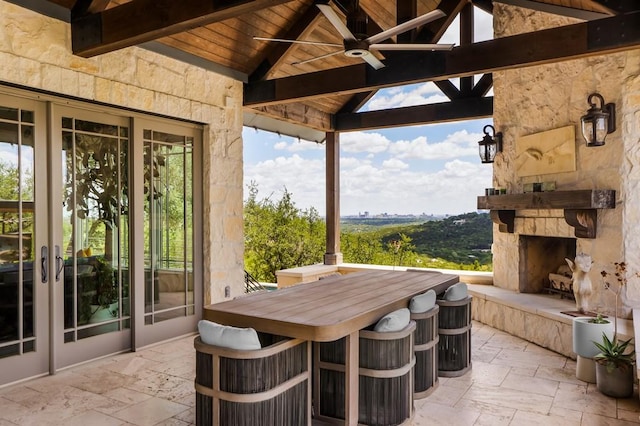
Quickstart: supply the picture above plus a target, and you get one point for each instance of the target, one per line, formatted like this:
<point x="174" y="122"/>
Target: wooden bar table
<point x="330" y="309"/>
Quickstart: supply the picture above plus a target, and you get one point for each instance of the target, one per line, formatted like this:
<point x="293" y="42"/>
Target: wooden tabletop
<point x="328" y="309"/>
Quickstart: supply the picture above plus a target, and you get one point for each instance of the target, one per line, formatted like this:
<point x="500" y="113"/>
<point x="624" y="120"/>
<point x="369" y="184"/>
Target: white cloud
<point x="424" y="93"/>
<point x="394" y="164"/>
<point x="304" y="178"/>
<point x="377" y="189"/>
<point x="458" y="144"/>
<point x="450" y="190"/>
<point x="363" y="142"/>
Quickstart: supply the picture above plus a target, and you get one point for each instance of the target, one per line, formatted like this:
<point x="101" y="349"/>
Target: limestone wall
<point x="540" y="98"/>
<point x="35" y="51"/>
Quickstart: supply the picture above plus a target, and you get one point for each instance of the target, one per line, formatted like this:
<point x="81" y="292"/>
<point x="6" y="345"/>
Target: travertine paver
<point x="512" y="382"/>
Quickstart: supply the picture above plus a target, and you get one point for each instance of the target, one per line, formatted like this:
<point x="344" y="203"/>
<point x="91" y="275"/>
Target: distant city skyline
<point x="431" y="169"/>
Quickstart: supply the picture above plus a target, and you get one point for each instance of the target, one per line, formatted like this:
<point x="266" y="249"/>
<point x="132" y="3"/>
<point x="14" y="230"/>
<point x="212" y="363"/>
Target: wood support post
<point x="332" y="255"/>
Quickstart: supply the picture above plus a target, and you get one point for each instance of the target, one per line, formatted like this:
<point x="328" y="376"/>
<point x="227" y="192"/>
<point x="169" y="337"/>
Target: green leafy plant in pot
<point x="615" y="367"/>
<point x="615" y="372"/>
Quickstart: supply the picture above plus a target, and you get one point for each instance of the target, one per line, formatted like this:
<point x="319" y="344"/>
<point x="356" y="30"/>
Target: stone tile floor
<point x="512" y="382"/>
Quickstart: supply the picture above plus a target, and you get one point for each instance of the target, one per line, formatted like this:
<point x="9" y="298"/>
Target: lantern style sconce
<point x="598" y="122"/>
<point x="490" y="145"/>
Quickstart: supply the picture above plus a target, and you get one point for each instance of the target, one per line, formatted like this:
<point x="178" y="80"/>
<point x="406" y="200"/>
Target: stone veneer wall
<point x="539" y="98"/>
<point x="35" y="51"/>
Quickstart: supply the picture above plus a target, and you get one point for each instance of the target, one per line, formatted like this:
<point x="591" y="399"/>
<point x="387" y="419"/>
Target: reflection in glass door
<point x="94" y="245"/>
<point x="169" y="230"/>
<point x="24" y="312"/>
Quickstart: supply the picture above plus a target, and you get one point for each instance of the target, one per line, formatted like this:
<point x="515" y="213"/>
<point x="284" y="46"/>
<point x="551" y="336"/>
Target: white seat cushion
<point x="226" y="336"/>
<point x="422" y="302"/>
<point x="394" y="321"/>
<point x="456" y="292"/>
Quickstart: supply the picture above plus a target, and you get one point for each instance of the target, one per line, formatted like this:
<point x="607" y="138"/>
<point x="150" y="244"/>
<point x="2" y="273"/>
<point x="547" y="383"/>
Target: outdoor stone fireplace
<point x="541" y="106"/>
<point x="539" y="257"/>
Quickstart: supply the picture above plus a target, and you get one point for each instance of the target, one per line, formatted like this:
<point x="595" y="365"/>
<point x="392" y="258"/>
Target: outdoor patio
<point x="512" y="382"/>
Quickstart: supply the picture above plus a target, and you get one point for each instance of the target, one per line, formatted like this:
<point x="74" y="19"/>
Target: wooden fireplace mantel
<point x="580" y="207"/>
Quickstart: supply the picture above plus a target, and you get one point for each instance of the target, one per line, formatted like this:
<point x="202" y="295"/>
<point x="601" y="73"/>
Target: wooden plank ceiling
<point x="326" y="94"/>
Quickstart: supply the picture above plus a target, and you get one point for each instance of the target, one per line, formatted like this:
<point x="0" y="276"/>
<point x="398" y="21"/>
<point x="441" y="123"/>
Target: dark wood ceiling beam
<point x="405" y="11"/>
<point x="483" y="85"/>
<point x="485" y="5"/>
<point x="140" y="21"/>
<point x="67" y="4"/>
<point x="462" y="109"/>
<point x="449" y="89"/>
<point x="304" y="25"/>
<point x="570" y="12"/>
<point x="433" y="31"/>
<point x="356" y="102"/>
<point x="618" y="6"/>
<point x="466" y="39"/>
<point x="83" y="7"/>
<point x="604" y="36"/>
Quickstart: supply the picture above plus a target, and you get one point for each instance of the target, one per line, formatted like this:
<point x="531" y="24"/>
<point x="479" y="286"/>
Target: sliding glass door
<point x="100" y="233"/>
<point x="24" y="258"/>
<point x="90" y="188"/>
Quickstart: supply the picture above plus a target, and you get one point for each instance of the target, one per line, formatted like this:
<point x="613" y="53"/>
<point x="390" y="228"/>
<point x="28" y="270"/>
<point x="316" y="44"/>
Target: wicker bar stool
<point x="386" y="369"/>
<point x="426" y="340"/>
<point x="265" y="387"/>
<point x="454" y="346"/>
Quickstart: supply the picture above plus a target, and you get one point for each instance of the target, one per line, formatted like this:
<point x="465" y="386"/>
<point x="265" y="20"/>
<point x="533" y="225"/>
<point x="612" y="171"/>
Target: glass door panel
<point x="94" y="234"/>
<point x="169" y="230"/>
<point x="168" y="233"/>
<point x="24" y="313"/>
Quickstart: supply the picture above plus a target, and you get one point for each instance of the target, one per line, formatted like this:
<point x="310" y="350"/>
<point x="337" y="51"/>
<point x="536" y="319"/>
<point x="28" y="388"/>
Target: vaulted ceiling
<point x="284" y="82"/>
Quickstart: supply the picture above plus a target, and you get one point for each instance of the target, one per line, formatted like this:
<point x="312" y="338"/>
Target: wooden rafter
<point x="486" y="5"/>
<point x="463" y="109"/>
<point x="433" y="31"/>
<point x="449" y="89"/>
<point x="556" y="9"/>
<point x="547" y="46"/>
<point x="483" y="85"/>
<point x="618" y="6"/>
<point x="145" y="20"/>
<point x="466" y="39"/>
<point x="303" y="26"/>
<point x="430" y="33"/>
<point x="83" y="7"/>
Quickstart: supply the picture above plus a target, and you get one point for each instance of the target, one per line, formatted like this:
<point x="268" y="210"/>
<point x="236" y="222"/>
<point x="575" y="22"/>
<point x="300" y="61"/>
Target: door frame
<point x="36" y="363"/>
<point x="144" y="334"/>
<point x="51" y="328"/>
<point x="88" y="348"/>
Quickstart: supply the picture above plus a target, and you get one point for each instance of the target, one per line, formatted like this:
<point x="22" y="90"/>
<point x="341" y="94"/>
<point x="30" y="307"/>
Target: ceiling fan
<point x="360" y="46"/>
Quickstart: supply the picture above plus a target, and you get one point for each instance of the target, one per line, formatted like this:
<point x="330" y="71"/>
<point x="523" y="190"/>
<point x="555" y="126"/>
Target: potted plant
<point x="587" y="330"/>
<point x="614" y="364"/>
<point x="99" y="301"/>
<point x="615" y="367"/>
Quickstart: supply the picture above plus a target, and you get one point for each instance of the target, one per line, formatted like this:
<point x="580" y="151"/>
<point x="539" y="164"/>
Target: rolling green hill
<point x="463" y="239"/>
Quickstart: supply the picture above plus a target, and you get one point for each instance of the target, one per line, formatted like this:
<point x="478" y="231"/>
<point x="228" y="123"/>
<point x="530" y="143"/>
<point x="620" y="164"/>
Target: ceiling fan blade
<point x="373" y="61"/>
<point x="406" y="26"/>
<point x="306" y="61"/>
<point x="392" y="46"/>
<point x="313" y="43"/>
<point x="335" y="20"/>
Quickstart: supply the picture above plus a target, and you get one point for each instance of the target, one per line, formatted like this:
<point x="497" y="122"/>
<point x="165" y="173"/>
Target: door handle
<point x="59" y="263"/>
<point x="44" y="259"/>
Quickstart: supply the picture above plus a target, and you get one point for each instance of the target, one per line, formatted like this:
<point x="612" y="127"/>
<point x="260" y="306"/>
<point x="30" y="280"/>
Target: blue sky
<point x="432" y="169"/>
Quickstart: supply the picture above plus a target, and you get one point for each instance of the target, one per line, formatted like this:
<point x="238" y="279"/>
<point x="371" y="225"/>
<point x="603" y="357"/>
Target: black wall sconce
<point x="490" y="145"/>
<point x="598" y="122"/>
